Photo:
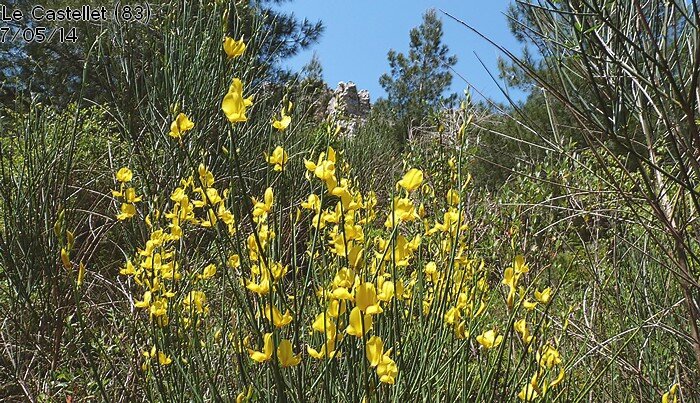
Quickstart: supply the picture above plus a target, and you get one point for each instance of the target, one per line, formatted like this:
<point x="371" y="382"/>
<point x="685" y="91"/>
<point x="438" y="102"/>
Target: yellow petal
<point x="234" y="105"/>
<point x="81" y="274"/>
<point x="374" y="350"/>
<point x="286" y="355"/>
<point x="412" y="179"/>
<point x="233" y="48"/>
<point x="358" y="323"/>
<point x="489" y="339"/>
<point x="266" y="354"/>
<point x="124" y="175"/>
<point x="282" y="124"/>
<point x="366" y="298"/>
<point x="559" y="379"/>
<point x="65" y="259"/>
<point x="544" y="296"/>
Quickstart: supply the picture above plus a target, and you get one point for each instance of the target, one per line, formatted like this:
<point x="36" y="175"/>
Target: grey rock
<point x="348" y="106"/>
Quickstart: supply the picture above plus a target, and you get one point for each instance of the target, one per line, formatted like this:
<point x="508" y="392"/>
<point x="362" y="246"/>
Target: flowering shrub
<point x="386" y="294"/>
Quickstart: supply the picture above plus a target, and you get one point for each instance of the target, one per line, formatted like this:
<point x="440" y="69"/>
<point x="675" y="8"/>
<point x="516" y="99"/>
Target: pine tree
<point x="313" y="90"/>
<point x="417" y="81"/>
<point x="38" y="68"/>
<point x="313" y="70"/>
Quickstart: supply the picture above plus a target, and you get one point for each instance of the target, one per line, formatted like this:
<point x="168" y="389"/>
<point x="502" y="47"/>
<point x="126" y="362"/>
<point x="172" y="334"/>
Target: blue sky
<point x="359" y="33"/>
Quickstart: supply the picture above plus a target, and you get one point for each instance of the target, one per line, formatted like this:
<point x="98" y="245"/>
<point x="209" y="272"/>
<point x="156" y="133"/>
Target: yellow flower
<point x="234" y="261"/>
<point x="212" y="197"/>
<point x="529" y="392"/>
<point x="358" y="323"/>
<point x="336" y="308"/>
<point x="266" y="353"/>
<point x="275" y="316"/>
<point x="130" y="196"/>
<point x="195" y="301"/>
<point x="234" y="104"/>
<point x="81" y="274"/>
<point x="545" y="296"/>
<point x="286" y="355"/>
<point x="421" y="210"/>
<point x="529" y="305"/>
<point x="180" y="125"/>
<point x="374" y="350"/>
<point x="326" y="172"/>
<point x="510" y="278"/>
<point x="548" y="357"/>
<point x="278" y="158"/>
<point x="387" y="369"/>
<point x="324" y="168"/>
<point x="355" y="256"/>
<point x="261" y="288"/>
<point x="128" y="210"/>
<point x="128" y="269"/>
<point x="260" y="209"/>
<point x="205" y="176"/>
<point x="344" y="278"/>
<point x="326" y="350"/>
<point x="431" y="273"/>
<point x="521" y="327"/>
<point x="146" y="302"/>
<point x="208" y="272"/>
<point x="233" y="48"/>
<point x="489" y="339"/>
<point x="325" y="323"/>
<point x="559" y="379"/>
<point x="452" y="316"/>
<point x="65" y="259"/>
<point x="159" y="307"/>
<point x="277" y="270"/>
<point x="366" y="299"/>
<point x="387" y="290"/>
<point x="344" y="194"/>
<point x="453" y="198"/>
<point x="404" y="211"/>
<point x="163" y="359"/>
<point x="672" y="395"/>
<point x="519" y="265"/>
<point x="124" y="175"/>
<point x="342" y="293"/>
<point x="313" y="202"/>
<point x="285" y="120"/>
<point x="412" y="179"/>
<point x="282" y="124"/>
<point x="461" y="331"/>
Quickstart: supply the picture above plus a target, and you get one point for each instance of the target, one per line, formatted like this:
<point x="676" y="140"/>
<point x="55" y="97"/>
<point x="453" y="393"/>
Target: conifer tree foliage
<point x="313" y="70"/>
<point x="286" y="34"/>
<point x="37" y="68"/>
<point x="418" y="80"/>
<point x="315" y="88"/>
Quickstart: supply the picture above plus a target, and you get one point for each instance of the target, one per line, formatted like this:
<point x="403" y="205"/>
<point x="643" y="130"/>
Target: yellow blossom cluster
<point x="546" y="378"/>
<point x="368" y="264"/>
<point x="126" y="193"/>
<point x="351" y="298"/>
<point x="155" y="268"/>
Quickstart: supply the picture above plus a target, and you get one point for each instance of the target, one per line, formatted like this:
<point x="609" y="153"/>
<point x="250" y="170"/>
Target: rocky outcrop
<point x="349" y="107"/>
<point x="365" y="105"/>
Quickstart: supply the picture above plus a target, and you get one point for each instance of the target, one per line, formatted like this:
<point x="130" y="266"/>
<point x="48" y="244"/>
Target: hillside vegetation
<point x="183" y="221"/>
